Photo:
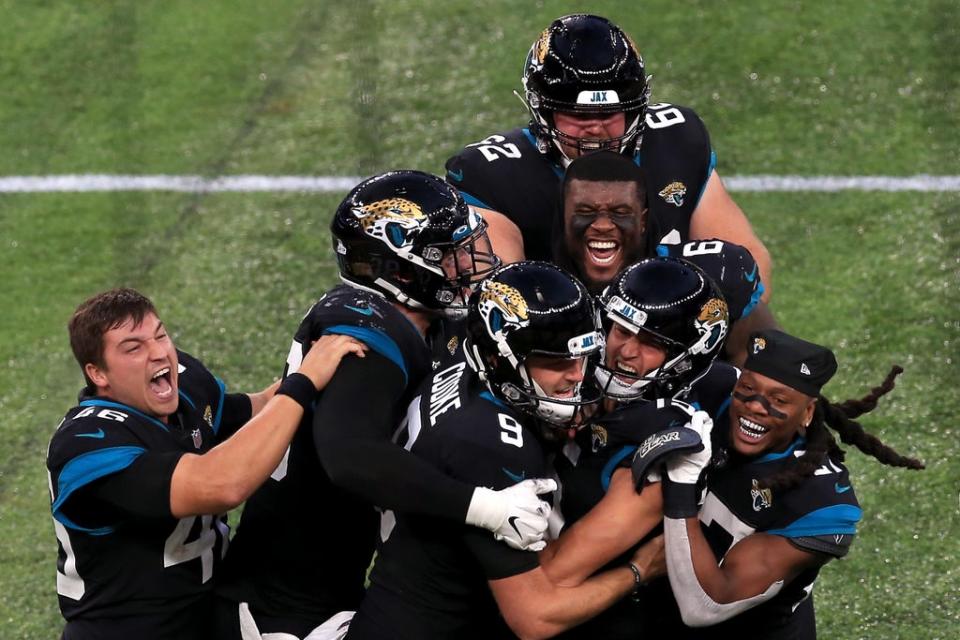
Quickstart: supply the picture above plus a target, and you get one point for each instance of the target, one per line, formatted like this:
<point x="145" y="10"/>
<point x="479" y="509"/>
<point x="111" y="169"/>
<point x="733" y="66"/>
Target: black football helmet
<point x="585" y="64"/>
<point x="730" y="266"/>
<point x="529" y="309"/>
<point x="410" y="236"/>
<point x="680" y="308"/>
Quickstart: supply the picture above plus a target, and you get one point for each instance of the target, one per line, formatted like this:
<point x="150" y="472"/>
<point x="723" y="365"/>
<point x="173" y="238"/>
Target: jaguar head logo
<point x="762" y="497"/>
<point x="712" y="323"/>
<point x="673" y="193"/>
<point x="759" y="344"/>
<point x="502" y="307"/>
<point x="541" y="47"/>
<point x="394" y="221"/>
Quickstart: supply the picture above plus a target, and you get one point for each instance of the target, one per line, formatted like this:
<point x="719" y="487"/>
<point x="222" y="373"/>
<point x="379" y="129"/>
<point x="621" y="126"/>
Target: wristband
<point x="637" y="580"/>
<point x="679" y="499"/>
<point x="300" y="388"/>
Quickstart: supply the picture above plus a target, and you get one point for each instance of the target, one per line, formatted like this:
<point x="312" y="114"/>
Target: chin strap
<point x="696" y="607"/>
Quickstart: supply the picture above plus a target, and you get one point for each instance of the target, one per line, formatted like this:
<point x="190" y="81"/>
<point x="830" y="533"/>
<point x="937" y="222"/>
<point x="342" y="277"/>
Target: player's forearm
<point x="259" y="399"/>
<point x="228" y="474"/>
<point x="557" y="609"/>
<point x="613" y="526"/>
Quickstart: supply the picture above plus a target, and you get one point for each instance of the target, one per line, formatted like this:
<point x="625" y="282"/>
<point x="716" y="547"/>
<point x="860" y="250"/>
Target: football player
<point x="586" y="89"/>
<point x="408" y="250"/>
<point x="489" y="420"/>
<point x="136" y="480"/>
<point x="665" y="324"/>
<point x="601" y="227"/>
<point x="778" y="507"/>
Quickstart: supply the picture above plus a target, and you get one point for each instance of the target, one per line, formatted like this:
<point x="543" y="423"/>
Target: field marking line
<point x="93" y="182"/>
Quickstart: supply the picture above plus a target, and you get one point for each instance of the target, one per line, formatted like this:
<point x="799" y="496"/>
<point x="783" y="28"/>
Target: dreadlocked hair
<point x="840" y="417"/>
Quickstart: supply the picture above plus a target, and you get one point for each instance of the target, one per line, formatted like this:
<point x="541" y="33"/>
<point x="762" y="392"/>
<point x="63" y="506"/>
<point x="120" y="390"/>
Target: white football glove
<point x="686" y="468"/>
<point x="515" y="515"/>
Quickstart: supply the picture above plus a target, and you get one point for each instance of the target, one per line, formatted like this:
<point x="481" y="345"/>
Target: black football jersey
<point x="120" y="576"/>
<point x="430" y="576"/>
<point x="507" y="173"/>
<point x="585" y="470"/>
<point x="729" y="265"/>
<point x="303" y="544"/>
<point x="819" y="515"/>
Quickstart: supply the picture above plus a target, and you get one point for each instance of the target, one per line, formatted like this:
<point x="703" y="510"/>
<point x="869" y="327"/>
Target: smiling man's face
<point x="140" y="367"/>
<point x="603" y="226"/>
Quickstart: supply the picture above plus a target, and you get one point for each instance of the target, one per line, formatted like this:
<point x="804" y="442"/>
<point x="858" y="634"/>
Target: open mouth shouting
<point x="161" y="385"/>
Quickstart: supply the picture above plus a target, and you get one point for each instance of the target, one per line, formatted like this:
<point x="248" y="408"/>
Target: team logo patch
<point x="394" y="221"/>
<point x="452" y="345"/>
<point x="598" y="437"/>
<point x="762" y="498"/>
<point x="197" y="438"/>
<point x="208" y="416"/>
<point x="502" y="307"/>
<point x="759" y="344"/>
<point x="673" y="193"/>
<point x="712" y="323"/>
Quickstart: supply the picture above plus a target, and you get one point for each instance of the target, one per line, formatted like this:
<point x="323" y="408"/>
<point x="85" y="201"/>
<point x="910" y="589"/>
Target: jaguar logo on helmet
<point x="541" y="47"/>
<point x="673" y="193"/>
<point x="598" y="437"/>
<point x="501" y="306"/>
<point x="712" y="323"/>
<point x="394" y="220"/>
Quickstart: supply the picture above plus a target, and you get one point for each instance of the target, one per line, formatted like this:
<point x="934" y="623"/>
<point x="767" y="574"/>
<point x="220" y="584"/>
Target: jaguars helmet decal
<point x="502" y="307"/>
<point x="759" y="344"/>
<point x="712" y="323"/>
<point x="394" y="220"/>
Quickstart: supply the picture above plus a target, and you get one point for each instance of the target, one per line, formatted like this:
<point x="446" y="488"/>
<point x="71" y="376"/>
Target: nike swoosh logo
<point x="367" y="312"/>
<point x="750" y="277"/>
<point x="836" y="485"/>
<point x="456" y="175"/>
<point x="512" y="520"/>
<point x="513" y="476"/>
<point x="98" y="434"/>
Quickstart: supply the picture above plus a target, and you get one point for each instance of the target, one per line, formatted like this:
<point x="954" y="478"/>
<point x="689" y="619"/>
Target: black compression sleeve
<point x="352" y="426"/>
<point x="143" y="488"/>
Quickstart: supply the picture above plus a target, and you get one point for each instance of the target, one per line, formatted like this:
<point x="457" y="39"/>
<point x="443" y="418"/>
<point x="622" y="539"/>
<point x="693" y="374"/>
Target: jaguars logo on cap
<point x="394" y="220"/>
<point x="759" y="344"/>
<point x="673" y="193"/>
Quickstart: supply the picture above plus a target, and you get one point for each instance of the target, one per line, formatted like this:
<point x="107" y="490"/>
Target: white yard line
<point x="334" y="184"/>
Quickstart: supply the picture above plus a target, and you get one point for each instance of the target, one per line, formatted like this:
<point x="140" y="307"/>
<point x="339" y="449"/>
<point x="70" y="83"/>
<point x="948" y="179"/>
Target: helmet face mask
<point x="529" y="317"/>
<point x="411" y="237"/>
<point x="672" y="303"/>
<point x="585" y="65"/>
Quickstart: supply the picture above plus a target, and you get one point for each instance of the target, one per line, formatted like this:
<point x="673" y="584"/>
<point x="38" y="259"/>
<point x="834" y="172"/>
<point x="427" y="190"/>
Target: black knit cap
<point x="799" y="364"/>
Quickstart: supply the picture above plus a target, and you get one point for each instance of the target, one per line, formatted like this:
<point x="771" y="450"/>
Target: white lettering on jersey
<point x="662" y="115"/>
<point x="445" y="391"/>
<point x="69" y="583"/>
<point x="494" y="148"/>
<point x="715" y="511"/>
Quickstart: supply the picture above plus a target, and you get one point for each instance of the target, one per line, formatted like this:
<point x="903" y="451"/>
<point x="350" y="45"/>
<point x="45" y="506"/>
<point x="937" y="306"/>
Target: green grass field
<point x="336" y="88"/>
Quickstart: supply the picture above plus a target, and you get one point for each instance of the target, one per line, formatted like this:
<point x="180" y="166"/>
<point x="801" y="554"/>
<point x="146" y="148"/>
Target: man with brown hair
<point x="136" y="480"/>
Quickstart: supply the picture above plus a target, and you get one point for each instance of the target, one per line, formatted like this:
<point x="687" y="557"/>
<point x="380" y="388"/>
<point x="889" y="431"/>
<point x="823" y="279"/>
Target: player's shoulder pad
<point x="478" y="169"/>
<point x="730" y="265"/>
<point x="631" y="423"/>
<point x="198" y="386"/>
<point x="824" y="504"/>
<point x="675" y="122"/>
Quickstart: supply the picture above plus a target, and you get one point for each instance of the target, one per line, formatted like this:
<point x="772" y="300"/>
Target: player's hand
<point x="680" y="494"/>
<point x="515" y="515"/>
<point x="325" y="355"/>
<point x="686" y="468"/>
<point x="651" y="559"/>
